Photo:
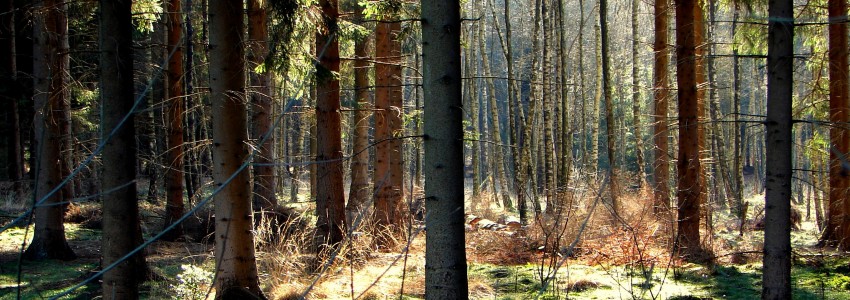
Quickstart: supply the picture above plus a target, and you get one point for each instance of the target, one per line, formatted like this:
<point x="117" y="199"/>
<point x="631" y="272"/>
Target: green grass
<point x="43" y="279"/>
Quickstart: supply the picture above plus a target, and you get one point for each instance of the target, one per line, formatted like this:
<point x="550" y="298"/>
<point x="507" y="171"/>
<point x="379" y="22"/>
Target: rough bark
<point x="779" y="145"/>
<point x="50" y="65"/>
<point x="839" y="113"/>
<point x="121" y="225"/>
<point x="174" y="110"/>
<point x="234" y="246"/>
<point x="689" y="169"/>
<point x="610" y="123"/>
<point x="359" y="190"/>
<point x="445" y="258"/>
<point x="661" y="166"/>
<point x="264" y="197"/>
<point x="330" y="199"/>
<point x="636" y="124"/>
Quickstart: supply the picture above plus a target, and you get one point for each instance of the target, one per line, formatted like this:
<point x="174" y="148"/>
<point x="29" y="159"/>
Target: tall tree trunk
<point x="566" y="154"/>
<point x="50" y="79"/>
<point x="529" y="169"/>
<point x="661" y="166"/>
<point x="265" y="197"/>
<point x="121" y="228"/>
<point x="689" y="189"/>
<point x="498" y="150"/>
<point x="11" y="95"/>
<point x="738" y="170"/>
<point x="174" y="110"/>
<point x="778" y="125"/>
<point x="839" y="113"/>
<point x="236" y="271"/>
<point x="445" y="258"/>
<point x="188" y="77"/>
<point x="514" y="119"/>
<point x="610" y="123"/>
<point x="547" y="107"/>
<point x="597" y="103"/>
<point x="636" y="97"/>
<point x="330" y="199"/>
<point x="359" y="190"/>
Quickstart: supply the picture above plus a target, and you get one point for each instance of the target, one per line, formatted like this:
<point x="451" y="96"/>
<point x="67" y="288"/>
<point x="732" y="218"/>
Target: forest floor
<point x="628" y="259"/>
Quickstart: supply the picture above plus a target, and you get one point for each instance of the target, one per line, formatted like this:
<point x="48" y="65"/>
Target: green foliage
<point x="193" y="282"/>
<point x="146" y="13"/>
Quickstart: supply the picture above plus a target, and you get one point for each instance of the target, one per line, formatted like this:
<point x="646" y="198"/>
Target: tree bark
<point x="359" y="191"/>
<point x="234" y="246"/>
<point x="445" y="257"/>
<point x="121" y="225"/>
<point x="636" y="97"/>
<point x="264" y="197"/>
<point x="174" y="110"/>
<point x="689" y="189"/>
<point x="661" y="166"/>
<point x="11" y="95"/>
<point x="777" y="208"/>
<point x="330" y="199"/>
<point x="50" y="65"/>
<point x="610" y="123"/>
<point x="839" y="136"/>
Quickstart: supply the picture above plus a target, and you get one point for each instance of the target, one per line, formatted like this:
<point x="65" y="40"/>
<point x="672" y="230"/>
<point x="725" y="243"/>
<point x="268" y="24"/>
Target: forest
<point x="435" y="149"/>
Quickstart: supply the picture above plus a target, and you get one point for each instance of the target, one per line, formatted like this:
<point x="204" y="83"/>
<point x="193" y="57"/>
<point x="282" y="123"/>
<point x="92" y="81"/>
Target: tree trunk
<point x="234" y="246"/>
<point x="330" y="200"/>
<point x="498" y="152"/>
<point x="50" y="65"/>
<point x="739" y="129"/>
<point x="121" y="228"/>
<point x="174" y="110"/>
<point x="264" y="197"/>
<point x="445" y="257"/>
<point x="839" y="113"/>
<point x="566" y="153"/>
<point x="661" y="166"/>
<point x="11" y="95"/>
<point x="359" y="191"/>
<point x="689" y="190"/>
<point x="597" y="103"/>
<point x="778" y="125"/>
<point x="610" y="123"/>
<point x="638" y="132"/>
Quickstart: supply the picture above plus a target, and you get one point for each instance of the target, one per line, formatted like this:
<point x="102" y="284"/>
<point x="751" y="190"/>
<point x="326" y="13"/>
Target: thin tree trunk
<point x="597" y="103"/>
<point x="121" y="228"/>
<point x="175" y="108"/>
<point x="11" y="95"/>
<point x="265" y="196"/>
<point x="739" y="129"/>
<point x="636" y="98"/>
<point x="236" y="268"/>
<point x="566" y="153"/>
<point x="661" y="166"/>
<point x="780" y="142"/>
<point x="610" y="123"/>
<point x="359" y="190"/>
<point x="498" y="149"/>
